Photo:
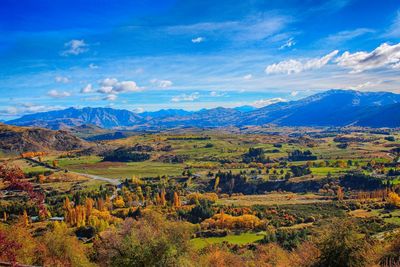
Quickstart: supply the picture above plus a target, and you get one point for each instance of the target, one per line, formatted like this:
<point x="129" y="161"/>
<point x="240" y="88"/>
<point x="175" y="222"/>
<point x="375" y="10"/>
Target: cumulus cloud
<point x="58" y="94"/>
<point x="185" y="97"/>
<point x="87" y="89"/>
<point x="289" y="43"/>
<point x="74" y="47"/>
<point x="61" y="79"/>
<point x="113" y="86"/>
<point x="248" y="77"/>
<point x="383" y="56"/>
<point x="295" y="66"/>
<point x="110" y="97"/>
<point x="162" y="83"/>
<point x="266" y="102"/>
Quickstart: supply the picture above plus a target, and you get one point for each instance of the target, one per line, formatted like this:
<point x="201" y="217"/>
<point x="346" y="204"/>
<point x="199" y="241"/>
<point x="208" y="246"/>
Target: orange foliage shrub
<point x="394" y="199"/>
<point x="226" y="221"/>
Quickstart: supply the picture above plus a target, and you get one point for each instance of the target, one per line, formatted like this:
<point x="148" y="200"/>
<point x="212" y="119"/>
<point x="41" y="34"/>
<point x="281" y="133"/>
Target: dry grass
<point x="274" y="199"/>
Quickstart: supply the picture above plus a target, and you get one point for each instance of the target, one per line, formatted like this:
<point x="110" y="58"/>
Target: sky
<point x="147" y="55"/>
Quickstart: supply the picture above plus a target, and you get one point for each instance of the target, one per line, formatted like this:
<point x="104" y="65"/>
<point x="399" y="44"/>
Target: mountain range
<point x="329" y="108"/>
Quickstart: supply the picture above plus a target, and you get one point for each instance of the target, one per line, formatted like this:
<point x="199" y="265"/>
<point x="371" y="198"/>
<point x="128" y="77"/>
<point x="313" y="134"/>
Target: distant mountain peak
<point x="334" y="107"/>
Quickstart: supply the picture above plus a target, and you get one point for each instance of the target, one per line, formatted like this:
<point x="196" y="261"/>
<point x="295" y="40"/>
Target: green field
<point x="242" y="239"/>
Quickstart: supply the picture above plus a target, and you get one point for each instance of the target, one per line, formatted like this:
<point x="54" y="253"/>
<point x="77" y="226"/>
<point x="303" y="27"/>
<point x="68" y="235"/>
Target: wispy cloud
<point x="110" y="97"/>
<point x="383" y="56"/>
<point x="289" y="43"/>
<point x="75" y="47"/>
<point x="266" y="102"/>
<point x="93" y="66"/>
<point x="248" y="77"/>
<point x="251" y="29"/>
<point x="161" y="83"/>
<point x="394" y="30"/>
<point x="216" y="94"/>
<point x="295" y="66"/>
<point x="58" y="94"/>
<point x="61" y="79"/>
<point x="343" y="36"/>
<point x="185" y="97"/>
<point x="198" y="40"/>
<point x="26" y="108"/>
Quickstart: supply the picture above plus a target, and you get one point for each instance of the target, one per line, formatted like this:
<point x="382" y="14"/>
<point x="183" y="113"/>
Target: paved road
<point x="100" y="178"/>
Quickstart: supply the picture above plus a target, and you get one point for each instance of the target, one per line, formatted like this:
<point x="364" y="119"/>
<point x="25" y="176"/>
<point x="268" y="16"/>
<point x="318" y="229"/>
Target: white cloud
<point x="216" y="94"/>
<point x="61" y="79"/>
<point x="367" y="85"/>
<point x="289" y="43"/>
<point x="248" y="77"/>
<point x="198" y="40"/>
<point x="87" y="89"/>
<point x="138" y="110"/>
<point x="113" y="86"/>
<point x="344" y="36"/>
<point x="383" y="56"/>
<point x="161" y="83"/>
<point x="58" y="94"/>
<point x="185" y="97"/>
<point x="394" y="30"/>
<point x="110" y="97"/>
<point x="26" y="108"/>
<point x="93" y="66"/>
<point x="294" y="93"/>
<point x="296" y="66"/>
<point x="266" y="102"/>
<point x="75" y="47"/>
<point x="253" y="28"/>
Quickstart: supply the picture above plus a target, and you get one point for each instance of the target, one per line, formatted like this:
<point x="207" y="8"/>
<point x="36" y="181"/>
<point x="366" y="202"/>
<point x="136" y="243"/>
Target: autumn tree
<point x="339" y="194"/>
<point x="150" y="241"/>
<point x="63" y="249"/>
<point x="342" y="245"/>
<point x="216" y="183"/>
<point x="177" y="201"/>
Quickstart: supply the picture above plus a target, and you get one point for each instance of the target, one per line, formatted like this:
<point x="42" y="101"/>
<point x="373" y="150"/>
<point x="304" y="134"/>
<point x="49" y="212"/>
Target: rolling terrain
<point x="21" y="139"/>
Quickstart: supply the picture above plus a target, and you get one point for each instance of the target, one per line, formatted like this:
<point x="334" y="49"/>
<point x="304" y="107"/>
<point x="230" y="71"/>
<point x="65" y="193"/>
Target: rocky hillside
<point x="21" y="139"/>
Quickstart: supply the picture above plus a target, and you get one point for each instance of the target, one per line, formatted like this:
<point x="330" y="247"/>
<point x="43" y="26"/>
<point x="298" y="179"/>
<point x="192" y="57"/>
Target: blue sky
<point x="148" y="55"/>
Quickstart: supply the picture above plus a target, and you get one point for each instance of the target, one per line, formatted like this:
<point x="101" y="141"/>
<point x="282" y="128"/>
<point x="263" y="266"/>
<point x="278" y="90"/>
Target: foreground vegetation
<point x="209" y="198"/>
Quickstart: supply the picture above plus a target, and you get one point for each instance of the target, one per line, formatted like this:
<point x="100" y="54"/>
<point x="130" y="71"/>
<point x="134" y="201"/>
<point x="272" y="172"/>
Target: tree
<point x="394" y="199"/>
<point x="25" y="219"/>
<point x="340" y="194"/>
<point x="150" y="241"/>
<point x="177" y="201"/>
<point x="55" y="163"/>
<point x="216" y="183"/>
<point x="342" y="246"/>
<point x="119" y="202"/>
<point x="18" y="246"/>
<point x="63" y="249"/>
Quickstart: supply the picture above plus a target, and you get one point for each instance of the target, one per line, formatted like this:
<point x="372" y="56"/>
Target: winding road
<point x="115" y="182"/>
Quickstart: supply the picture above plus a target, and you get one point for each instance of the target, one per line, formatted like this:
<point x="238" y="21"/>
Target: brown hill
<point x="21" y="139"/>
